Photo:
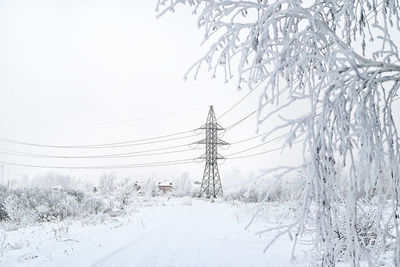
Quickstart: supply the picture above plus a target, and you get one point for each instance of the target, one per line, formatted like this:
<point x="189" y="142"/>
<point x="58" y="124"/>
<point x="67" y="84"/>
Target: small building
<point x="165" y="186"/>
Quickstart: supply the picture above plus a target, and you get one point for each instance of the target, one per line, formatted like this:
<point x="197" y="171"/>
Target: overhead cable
<point x="107" y="145"/>
<point x="126" y="166"/>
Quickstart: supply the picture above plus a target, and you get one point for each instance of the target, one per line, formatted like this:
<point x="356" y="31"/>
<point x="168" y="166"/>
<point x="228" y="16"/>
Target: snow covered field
<point x="156" y="232"/>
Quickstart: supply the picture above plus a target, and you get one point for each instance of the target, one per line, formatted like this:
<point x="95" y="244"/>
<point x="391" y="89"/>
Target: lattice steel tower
<point x="211" y="184"/>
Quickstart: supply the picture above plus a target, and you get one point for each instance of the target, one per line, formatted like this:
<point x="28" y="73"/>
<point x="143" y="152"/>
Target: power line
<point x="251" y="113"/>
<point x="254" y="147"/>
<point x="178" y="161"/>
<point x="120" y="155"/>
<point x="137" y="153"/>
<point x="132" y="143"/>
<point x="106" y="145"/>
<point x="108" y="155"/>
<point x="264" y="152"/>
<point x="240" y="121"/>
<point x="123" y="155"/>
<point x="254" y="111"/>
<point x="127" y="166"/>
<point x="247" y="139"/>
<point x="238" y="102"/>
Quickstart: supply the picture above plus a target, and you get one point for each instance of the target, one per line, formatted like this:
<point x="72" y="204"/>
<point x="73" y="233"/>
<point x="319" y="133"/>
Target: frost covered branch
<point x="339" y="57"/>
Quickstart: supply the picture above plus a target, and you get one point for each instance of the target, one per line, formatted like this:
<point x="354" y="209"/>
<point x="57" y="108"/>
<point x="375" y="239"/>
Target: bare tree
<point x="340" y="59"/>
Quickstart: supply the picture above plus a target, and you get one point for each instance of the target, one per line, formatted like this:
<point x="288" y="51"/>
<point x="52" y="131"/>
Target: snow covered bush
<point x="267" y="189"/>
<point x="125" y="190"/>
<point x="245" y="194"/>
<point x="339" y="59"/>
<point x="27" y="206"/>
<point x="116" y="192"/>
<point x="3" y="213"/>
<point x="150" y="188"/>
<point x="107" y="183"/>
<point x="183" y="186"/>
<point x="49" y="180"/>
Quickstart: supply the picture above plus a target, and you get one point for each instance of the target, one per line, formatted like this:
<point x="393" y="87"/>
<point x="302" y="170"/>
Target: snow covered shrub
<point x="124" y="190"/>
<point x="41" y="205"/>
<point x="150" y="188"/>
<point x="240" y="194"/>
<point x="26" y="206"/>
<point x="52" y="180"/>
<point x="78" y="195"/>
<point x="267" y="189"/>
<point x="115" y="192"/>
<point x="107" y="183"/>
<point x="183" y="186"/>
<point x="92" y="205"/>
<point x="3" y="213"/>
<point x="235" y="193"/>
<point x="250" y="195"/>
<point x="253" y="196"/>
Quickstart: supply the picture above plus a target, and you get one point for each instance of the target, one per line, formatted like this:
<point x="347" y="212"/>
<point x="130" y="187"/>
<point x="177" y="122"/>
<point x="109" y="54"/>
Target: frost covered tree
<point x="183" y="185"/>
<point x="124" y="191"/>
<point x="107" y="183"/>
<point x="340" y="59"/>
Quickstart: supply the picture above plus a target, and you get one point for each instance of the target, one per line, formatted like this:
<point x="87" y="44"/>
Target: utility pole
<point x="211" y="184"/>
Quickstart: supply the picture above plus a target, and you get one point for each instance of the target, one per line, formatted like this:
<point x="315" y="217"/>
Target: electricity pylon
<point x="211" y="184"/>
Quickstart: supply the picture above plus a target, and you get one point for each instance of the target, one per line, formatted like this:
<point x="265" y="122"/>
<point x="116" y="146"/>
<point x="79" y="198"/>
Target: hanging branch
<point x="322" y="51"/>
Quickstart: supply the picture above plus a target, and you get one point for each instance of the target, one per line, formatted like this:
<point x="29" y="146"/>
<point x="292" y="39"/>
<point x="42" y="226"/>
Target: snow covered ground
<point x="157" y="232"/>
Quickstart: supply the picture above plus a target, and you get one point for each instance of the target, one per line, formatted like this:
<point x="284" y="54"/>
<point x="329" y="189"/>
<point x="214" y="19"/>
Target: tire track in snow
<point x="137" y="241"/>
<point x="173" y="244"/>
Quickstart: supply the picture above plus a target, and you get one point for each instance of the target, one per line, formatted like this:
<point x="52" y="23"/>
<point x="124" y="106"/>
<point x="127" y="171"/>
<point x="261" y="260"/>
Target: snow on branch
<point x="342" y="59"/>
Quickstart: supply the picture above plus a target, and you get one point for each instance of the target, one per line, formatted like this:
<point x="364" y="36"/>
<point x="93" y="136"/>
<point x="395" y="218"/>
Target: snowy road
<point x="199" y="233"/>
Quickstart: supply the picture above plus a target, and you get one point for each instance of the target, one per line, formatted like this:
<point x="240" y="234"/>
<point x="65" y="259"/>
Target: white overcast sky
<point x="86" y="72"/>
